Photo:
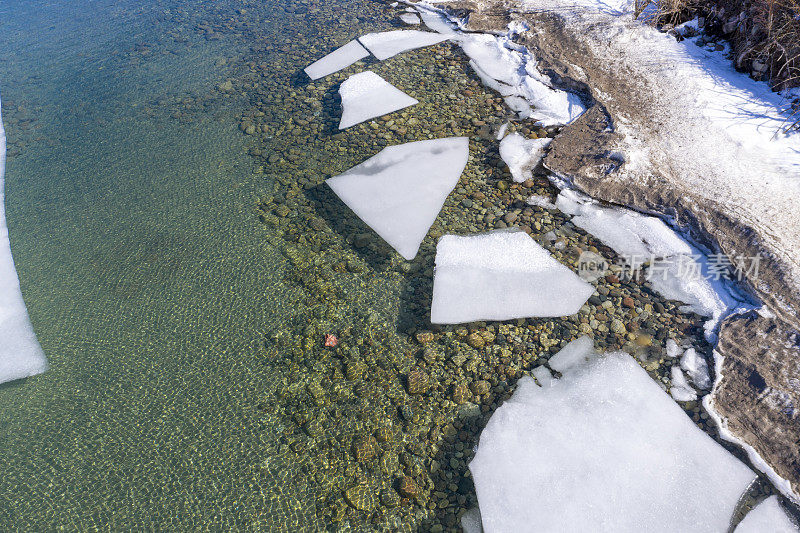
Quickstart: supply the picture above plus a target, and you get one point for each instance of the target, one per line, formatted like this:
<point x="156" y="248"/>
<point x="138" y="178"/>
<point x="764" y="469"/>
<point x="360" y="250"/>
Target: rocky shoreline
<point x="757" y="393"/>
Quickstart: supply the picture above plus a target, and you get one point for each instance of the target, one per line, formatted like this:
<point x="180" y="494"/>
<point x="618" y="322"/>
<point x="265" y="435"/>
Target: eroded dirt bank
<point x="758" y="394"/>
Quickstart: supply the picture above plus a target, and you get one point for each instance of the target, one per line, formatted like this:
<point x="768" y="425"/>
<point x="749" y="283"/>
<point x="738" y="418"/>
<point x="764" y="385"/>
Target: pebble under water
<point x="183" y="262"/>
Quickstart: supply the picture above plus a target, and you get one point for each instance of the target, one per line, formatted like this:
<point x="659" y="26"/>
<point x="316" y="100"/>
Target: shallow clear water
<point x="144" y="270"/>
<point x="180" y="276"/>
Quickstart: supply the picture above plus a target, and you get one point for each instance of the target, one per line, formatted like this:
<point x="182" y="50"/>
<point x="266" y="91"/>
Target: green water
<point x="145" y="272"/>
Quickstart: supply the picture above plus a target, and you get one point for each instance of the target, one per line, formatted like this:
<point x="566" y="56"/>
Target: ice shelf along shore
<point x="384" y="45"/>
<point x="342" y="57"/>
<point x="500" y="276"/>
<point x="400" y="191"/>
<point x="20" y="353"/>
<point x="678" y="271"/>
<point x="602" y="448"/>
<point x="366" y="96"/>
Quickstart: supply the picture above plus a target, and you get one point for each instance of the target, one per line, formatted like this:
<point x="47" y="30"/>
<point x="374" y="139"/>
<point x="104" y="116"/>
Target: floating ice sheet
<point x="400" y="191"/>
<point x="522" y="155"/>
<point x="337" y="60"/>
<point x="366" y="95"/>
<point x="767" y="517"/>
<point x="602" y="449"/>
<point x="410" y="18"/>
<point x="20" y="353"/>
<point x="386" y="44"/>
<point x="500" y="276"/>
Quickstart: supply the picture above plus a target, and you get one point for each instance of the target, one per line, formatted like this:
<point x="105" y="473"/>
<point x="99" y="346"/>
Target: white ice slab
<point x="767" y="517"/>
<point x="410" y="18"/>
<point x="20" y="353"/>
<point x="386" y="44"/>
<point x="602" y="449"/>
<point x="340" y="58"/>
<point x="366" y="95"/>
<point x="522" y="155"/>
<point x="500" y="276"/>
<point x="400" y="191"/>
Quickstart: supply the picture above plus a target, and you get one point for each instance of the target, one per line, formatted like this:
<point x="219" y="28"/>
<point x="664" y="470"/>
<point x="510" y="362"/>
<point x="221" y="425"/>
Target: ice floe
<point x="522" y="155"/>
<point x="603" y="448"/>
<point x="366" y="95"/>
<point x="20" y="353"/>
<point x="340" y="58"/>
<point x="511" y="71"/>
<point x="500" y="276"/>
<point x="384" y="45"/>
<point x="410" y="18"/>
<point x="767" y="516"/>
<point x="400" y="191"/>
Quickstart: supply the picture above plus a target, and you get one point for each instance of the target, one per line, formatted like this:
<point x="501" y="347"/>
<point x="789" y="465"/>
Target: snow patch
<point x="340" y="58"/>
<point x="510" y="70"/>
<point x="400" y="191"/>
<point x="366" y="96"/>
<point x="602" y="449"/>
<point x="500" y="276"/>
<point x="21" y="355"/>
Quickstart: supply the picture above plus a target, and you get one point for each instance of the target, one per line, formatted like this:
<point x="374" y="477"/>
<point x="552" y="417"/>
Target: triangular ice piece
<point x="337" y="60"/>
<point x="602" y="449"/>
<point x="20" y="353"/>
<point x="400" y="191"/>
<point x="366" y="95"/>
<point x="386" y="44"/>
<point x="500" y="276"/>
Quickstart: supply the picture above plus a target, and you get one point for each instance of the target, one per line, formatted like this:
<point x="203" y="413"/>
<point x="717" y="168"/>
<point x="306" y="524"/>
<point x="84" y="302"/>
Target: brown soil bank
<point x="758" y="395"/>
